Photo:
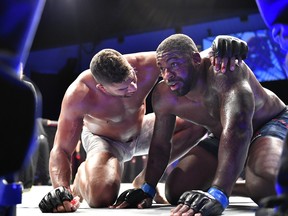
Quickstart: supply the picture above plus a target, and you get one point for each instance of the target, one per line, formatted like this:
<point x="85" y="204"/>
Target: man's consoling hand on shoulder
<point x="225" y="50"/>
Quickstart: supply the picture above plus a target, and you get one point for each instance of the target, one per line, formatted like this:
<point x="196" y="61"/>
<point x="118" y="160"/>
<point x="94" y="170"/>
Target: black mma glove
<point x="208" y="203"/>
<point x="54" y="198"/>
<point x="228" y="46"/>
<point x="273" y="206"/>
<point x="133" y="197"/>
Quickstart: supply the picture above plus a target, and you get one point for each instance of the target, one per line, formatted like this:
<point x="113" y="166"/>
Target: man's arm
<point x="158" y="157"/>
<point x="236" y="111"/>
<point x="236" y="118"/>
<point x="68" y="132"/>
<point x="67" y="135"/>
<point x="160" y="147"/>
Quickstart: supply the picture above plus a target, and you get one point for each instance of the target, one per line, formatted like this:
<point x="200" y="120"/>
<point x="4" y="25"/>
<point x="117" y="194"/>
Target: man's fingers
<point x="176" y="208"/>
<point x="67" y="206"/>
<point x="212" y="60"/>
<point x="60" y="208"/>
<point x="146" y="203"/>
<point x="112" y="206"/>
<point x="224" y="65"/>
<point x="232" y="63"/>
<point x="180" y="209"/>
<point x="217" y="63"/>
<point x="122" y="205"/>
<point x="75" y="203"/>
<point x="117" y="205"/>
<point x="190" y="212"/>
<point x="240" y="61"/>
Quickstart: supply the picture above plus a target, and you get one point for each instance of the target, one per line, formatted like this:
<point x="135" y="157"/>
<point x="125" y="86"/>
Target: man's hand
<point x="59" y="200"/>
<point x="138" y="182"/>
<point x="227" y="48"/>
<point x="273" y="206"/>
<point x="201" y="203"/>
<point x="133" y="198"/>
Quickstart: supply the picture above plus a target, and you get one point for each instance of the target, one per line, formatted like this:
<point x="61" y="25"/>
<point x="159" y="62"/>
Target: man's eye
<point x="174" y="65"/>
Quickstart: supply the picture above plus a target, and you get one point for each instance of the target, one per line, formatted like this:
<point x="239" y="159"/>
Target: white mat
<point x="239" y="206"/>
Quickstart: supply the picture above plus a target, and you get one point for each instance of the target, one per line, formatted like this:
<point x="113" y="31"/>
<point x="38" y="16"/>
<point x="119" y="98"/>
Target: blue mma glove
<point x="208" y="203"/>
<point x="135" y="196"/>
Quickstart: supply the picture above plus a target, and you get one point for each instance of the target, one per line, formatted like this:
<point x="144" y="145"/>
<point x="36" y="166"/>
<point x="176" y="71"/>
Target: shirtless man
<point x="244" y="119"/>
<point x="107" y="105"/>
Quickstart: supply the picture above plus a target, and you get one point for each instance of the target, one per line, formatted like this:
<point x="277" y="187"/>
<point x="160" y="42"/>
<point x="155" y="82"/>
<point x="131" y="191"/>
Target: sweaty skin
<point x="231" y="106"/>
<point x="104" y="114"/>
<point x="115" y="111"/>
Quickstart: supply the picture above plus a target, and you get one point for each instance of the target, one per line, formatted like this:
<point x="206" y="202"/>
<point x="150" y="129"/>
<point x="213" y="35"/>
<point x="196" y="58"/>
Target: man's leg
<point x="98" y="179"/>
<point x="186" y="135"/>
<point x="262" y="167"/>
<point x="195" y="170"/>
<point x="282" y="177"/>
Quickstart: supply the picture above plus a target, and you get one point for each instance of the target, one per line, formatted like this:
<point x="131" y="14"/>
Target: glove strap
<point x="150" y="190"/>
<point x="219" y="196"/>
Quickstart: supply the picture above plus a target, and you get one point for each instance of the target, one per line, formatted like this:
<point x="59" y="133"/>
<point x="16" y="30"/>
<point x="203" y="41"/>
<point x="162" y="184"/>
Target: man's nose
<point x="167" y="73"/>
<point x="132" y="87"/>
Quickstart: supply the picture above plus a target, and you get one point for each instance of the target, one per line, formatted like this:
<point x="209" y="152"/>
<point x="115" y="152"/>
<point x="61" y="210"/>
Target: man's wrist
<point x="150" y="190"/>
<point x="220" y="196"/>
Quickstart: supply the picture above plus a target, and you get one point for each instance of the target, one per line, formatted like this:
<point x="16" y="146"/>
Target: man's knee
<point x="102" y="195"/>
<point x="260" y="187"/>
<point x="171" y="193"/>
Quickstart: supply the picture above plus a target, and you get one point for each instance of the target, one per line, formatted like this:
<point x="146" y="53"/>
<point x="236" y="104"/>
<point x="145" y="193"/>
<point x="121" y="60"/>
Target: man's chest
<point x="115" y="110"/>
<point x="203" y="110"/>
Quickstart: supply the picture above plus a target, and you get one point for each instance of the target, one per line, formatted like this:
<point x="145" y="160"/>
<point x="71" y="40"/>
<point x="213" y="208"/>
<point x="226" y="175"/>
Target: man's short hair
<point x="109" y="66"/>
<point x="177" y="42"/>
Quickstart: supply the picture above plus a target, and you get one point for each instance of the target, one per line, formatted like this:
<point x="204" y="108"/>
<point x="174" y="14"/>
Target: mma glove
<point x="228" y="46"/>
<point x="136" y="196"/>
<point x="273" y="206"/>
<point x="54" y="198"/>
<point x="213" y="202"/>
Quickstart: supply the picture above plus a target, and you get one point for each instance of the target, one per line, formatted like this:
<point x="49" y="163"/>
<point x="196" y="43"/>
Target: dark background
<point x="66" y="22"/>
<point x="70" y="32"/>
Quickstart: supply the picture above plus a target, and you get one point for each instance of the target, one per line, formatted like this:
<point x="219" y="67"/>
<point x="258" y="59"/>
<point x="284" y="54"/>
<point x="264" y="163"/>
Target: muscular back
<point x="204" y="106"/>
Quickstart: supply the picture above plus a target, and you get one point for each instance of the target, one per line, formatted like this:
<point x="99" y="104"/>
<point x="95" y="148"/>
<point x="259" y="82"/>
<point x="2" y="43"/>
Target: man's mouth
<point x="173" y="85"/>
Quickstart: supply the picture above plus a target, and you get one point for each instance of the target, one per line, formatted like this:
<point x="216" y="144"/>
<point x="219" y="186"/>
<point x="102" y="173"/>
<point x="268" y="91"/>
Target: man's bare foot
<point x="160" y="199"/>
<point x="137" y="183"/>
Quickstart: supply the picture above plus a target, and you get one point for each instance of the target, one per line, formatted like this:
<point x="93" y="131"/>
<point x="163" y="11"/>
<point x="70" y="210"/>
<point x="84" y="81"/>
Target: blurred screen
<point x="265" y="57"/>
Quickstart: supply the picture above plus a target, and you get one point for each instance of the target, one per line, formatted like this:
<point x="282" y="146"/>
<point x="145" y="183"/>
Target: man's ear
<point x="101" y="87"/>
<point x="196" y="58"/>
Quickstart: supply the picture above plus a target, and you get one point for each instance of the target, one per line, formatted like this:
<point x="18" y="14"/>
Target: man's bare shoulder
<point x="142" y="58"/>
<point x="163" y="98"/>
<point x="230" y="79"/>
<point x="80" y="87"/>
<point x="145" y="65"/>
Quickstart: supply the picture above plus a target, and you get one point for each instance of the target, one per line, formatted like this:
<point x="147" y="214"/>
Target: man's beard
<point x="182" y="91"/>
